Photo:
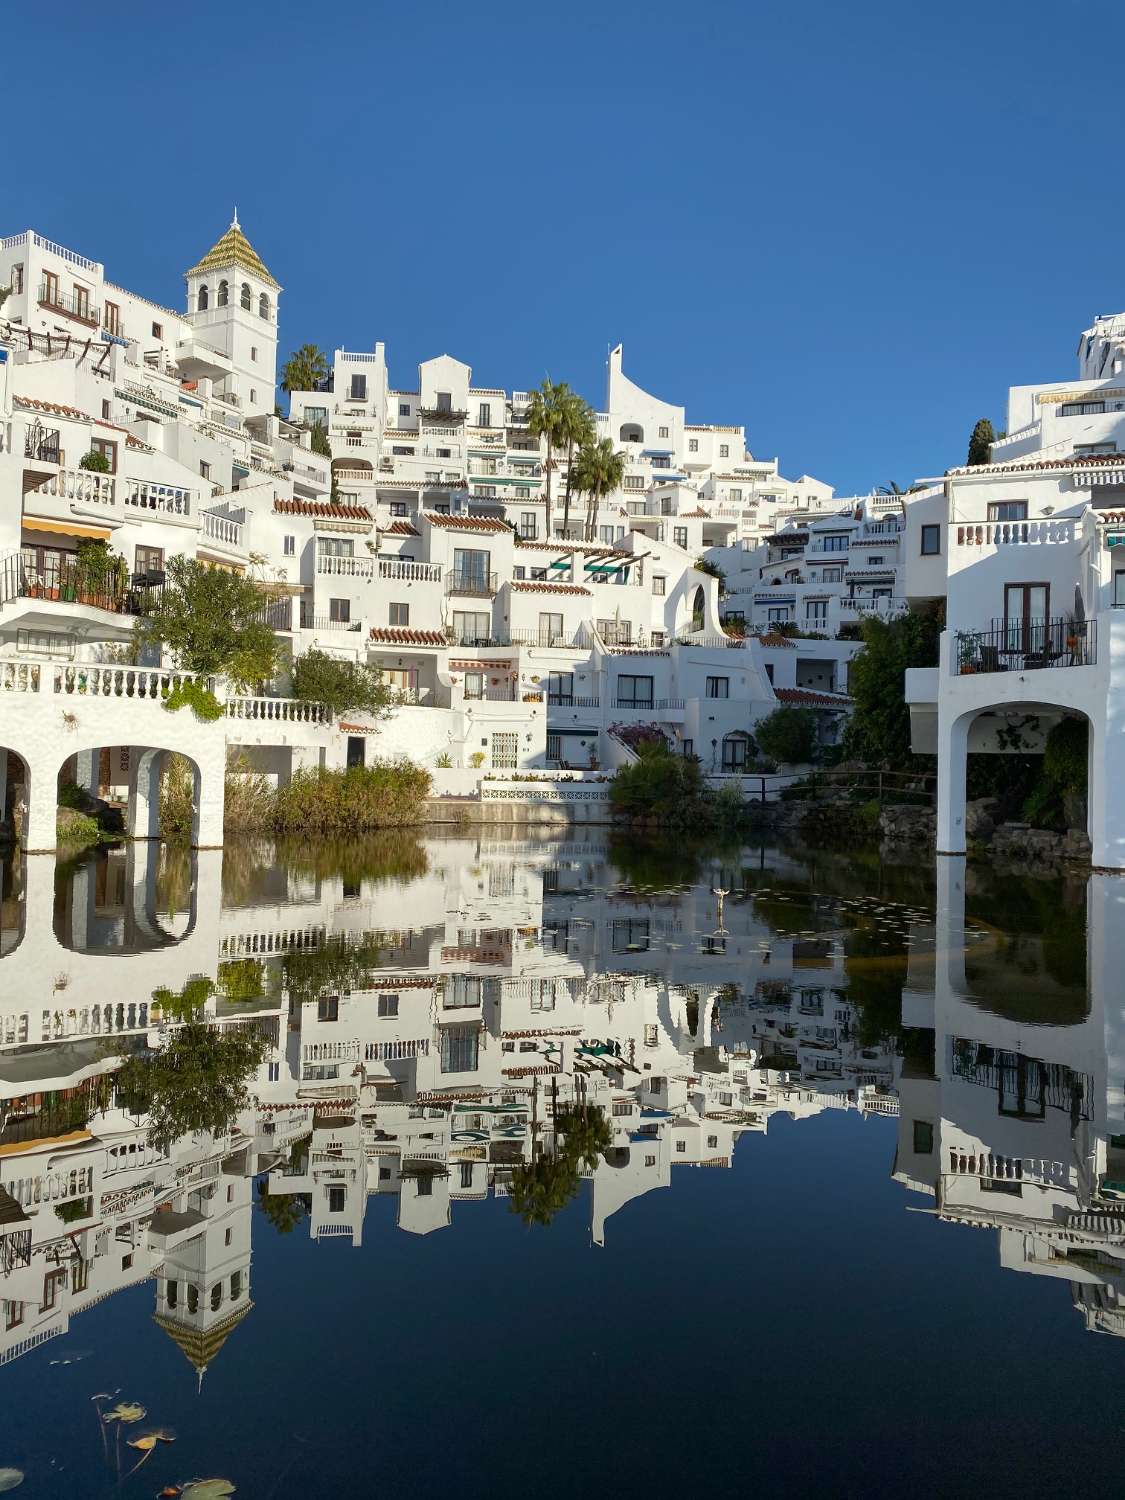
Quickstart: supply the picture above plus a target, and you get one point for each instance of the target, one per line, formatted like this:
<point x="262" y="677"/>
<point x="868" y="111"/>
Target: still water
<point x="557" y="1165"/>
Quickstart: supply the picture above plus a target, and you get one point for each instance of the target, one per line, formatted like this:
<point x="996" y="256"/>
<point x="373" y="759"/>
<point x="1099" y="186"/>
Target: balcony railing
<point x="161" y="499"/>
<point x="1023" y="646"/>
<point x="578" y="638"/>
<point x="42" y="443"/>
<point x="222" y="529"/>
<point x="311" y="621"/>
<point x="1015" y="533"/>
<point x="477" y="585"/>
<point x="66" y="582"/>
<point x="397" y="568"/>
<point x="507" y="694"/>
<point x="464" y="638"/>
<point x="572" y="700"/>
<point x="81" y="485"/>
<point x="73" y="305"/>
<point x="650" y="706"/>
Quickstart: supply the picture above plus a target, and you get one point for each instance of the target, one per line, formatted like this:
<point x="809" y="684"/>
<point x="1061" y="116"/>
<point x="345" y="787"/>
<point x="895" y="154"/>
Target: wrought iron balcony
<point x="476" y="584"/>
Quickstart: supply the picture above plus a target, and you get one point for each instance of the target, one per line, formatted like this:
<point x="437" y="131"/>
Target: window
<point x="734" y="752"/>
<point x="460" y="1047"/>
<point x="404" y="408"/>
<point x="171" y="1293"/>
<point x="470" y="629"/>
<point x="529" y="525"/>
<point x="634" y="691"/>
<point x="316" y="416"/>
<point x="388" y="1007"/>
<point x="50" y="289"/>
<point x="112" y="320"/>
<point x="17" y="279"/>
<point x="253" y="397"/>
<point x="228" y="1237"/>
<point x="471" y="570"/>
<point x="107" y="450"/>
<point x="689" y="747"/>
<point x="874" y="562"/>
<point x="831" y="575"/>
<point x="560" y="688"/>
<point x="13" y="1314"/>
<point x="467" y="1166"/>
<point x="445" y="453"/>
<point x="505" y="748"/>
<point x="659" y="584"/>
<point x="777" y="614"/>
<point x="224" y="294"/>
<point x="1081" y="408"/>
<point x="923" y="1137"/>
<point x="1007" y="510"/>
<point x="679" y="536"/>
<point x="399" y="615"/>
<point x="1026" y="610"/>
<point x="462" y="992"/>
<point x="158" y="330"/>
<point x="337" y="1199"/>
<point x="718" y="687"/>
<point x="484" y="414"/>
<point x="724" y="450"/>
<point x="817" y="610"/>
<point x="693" y="445"/>
<point x="254" y="353"/>
<point x="681" y="1147"/>
<point x="550" y="629"/>
<point x="340" y="611"/>
<point x="149" y="560"/>
<point x="263" y="306"/>
<point x="662" y="432"/>
<point x="735" y="496"/>
<point x="192" y="1298"/>
<point x="931" y="541"/>
<point x="105" y="411"/>
<point x="834" y="542"/>
<point x="244" y="295"/>
<point x="328" y="1008"/>
<point x="290" y="546"/>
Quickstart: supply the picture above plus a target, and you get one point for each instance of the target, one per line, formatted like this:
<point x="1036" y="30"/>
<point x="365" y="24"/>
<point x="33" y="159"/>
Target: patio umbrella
<point x="1079" y="607"/>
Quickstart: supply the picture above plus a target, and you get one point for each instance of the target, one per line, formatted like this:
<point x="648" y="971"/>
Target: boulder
<point x="980" y="817"/>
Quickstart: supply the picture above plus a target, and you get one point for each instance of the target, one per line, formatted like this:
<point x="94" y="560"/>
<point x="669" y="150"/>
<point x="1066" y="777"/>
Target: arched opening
<point x="14" y="788"/>
<point x="224" y="293"/>
<point x="698" y="605"/>
<point x="263" y="306"/>
<point x="201" y="299"/>
<point x="244" y="295"/>
<point x="631" y="432"/>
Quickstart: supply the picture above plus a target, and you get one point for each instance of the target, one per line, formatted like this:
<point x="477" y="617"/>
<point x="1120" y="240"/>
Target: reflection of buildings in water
<point x="1013" y="1123"/>
<point x="491" y="989"/>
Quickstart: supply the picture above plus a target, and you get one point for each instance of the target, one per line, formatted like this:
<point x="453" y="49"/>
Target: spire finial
<point x="234" y="224"/>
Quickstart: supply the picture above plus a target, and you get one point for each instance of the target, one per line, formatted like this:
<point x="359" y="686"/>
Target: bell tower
<point x="232" y="303"/>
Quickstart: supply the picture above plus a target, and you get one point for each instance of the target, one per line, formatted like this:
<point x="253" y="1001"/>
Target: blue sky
<point x="850" y="226"/>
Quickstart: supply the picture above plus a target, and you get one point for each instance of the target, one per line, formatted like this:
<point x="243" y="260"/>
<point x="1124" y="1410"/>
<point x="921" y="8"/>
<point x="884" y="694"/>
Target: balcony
<point x="72" y="488"/>
<point x="224" y="534"/>
<point x="403" y="570"/>
<point x="168" y="502"/>
<point x="201" y="361"/>
<point x="574" y="638"/>
<point x="572" y="700"/>
<point x="312" y="621"/>
<point x="466" y="638"/>
<point x="449" y="418"/>
<point x="1015" y="533"/>
<point x="397" y="569"/>
<point x="42" y="455"/>
<point x="76" y="305"/>
<point x="506" y="694"/>
<point x="64" y="581"/>
<point x="653" y="705"/>
<point x="474" y="585"/>
<point x="1024" y="646"/>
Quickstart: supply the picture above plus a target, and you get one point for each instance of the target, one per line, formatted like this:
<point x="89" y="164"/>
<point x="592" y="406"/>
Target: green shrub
<point x="201" y="700"/>
<point x="177" y="798"/>
<point x="382" y="795"/>
<point x="1062" y="774"/>
<point x="250" y="799"/>
<point x="659" y="785"/>
<point x="75" y="829"/>
<point x="242" y="979"/>
<point x="788" y="734"/>
<point x="94" y="463"/>
<point x="344" y="687"/>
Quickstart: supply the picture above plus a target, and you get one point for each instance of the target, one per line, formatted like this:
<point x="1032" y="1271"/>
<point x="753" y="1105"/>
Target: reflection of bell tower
<point x="203" y="1287"/>
<point x="232" y="306"/>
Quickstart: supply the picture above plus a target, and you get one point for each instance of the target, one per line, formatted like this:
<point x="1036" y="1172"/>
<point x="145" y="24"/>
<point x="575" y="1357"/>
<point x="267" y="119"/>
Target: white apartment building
<point x="1024" y="552"/>
<point x="434" y="545"/>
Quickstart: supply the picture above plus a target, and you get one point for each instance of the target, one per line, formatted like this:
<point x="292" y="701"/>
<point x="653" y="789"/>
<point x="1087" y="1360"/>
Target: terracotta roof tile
<point x="322" y="510"/>
<point x="549" y="588"/>
<point x="1029" y="461"/>
<point x="466" y="523"/>
<point x="808" y="699"/>
<point x="400" y="528"/>
<point x="30" y="404"/>
<point x="773" y="638"/>
<point x="396" y="637"/>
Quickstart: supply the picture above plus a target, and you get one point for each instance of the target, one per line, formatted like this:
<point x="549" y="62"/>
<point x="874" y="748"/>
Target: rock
<point x="1076" y="845"/>
<point x="980" y="817"/>
<point x="908" y="824"/>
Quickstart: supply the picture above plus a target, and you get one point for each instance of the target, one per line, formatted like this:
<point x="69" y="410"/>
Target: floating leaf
<point x="125" y="1411"/>
<point x="207" y="1489"/>
<point x="10" y="1479"/>
<point x="147" y="1441"/>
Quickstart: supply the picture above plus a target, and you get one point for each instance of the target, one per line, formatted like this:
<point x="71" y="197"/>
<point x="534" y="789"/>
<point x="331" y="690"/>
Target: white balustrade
<point x="165" y="499"/>
<point x="411" y="572"/>
<point x="20" y="676"/>
<point x="116" y="682"/>
<point x="276" y="710"/>
<point x="222" y="529"/>
<point x="396" y="1051"/>
<point x="80" y="485"/>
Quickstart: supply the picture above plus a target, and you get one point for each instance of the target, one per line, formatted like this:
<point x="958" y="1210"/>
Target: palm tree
<point x="539" y="1189"/>
<point x="544" y="414"/>
<point x="305" y="369"/>
<point x="598" y="471"/>
<point x="577" y="430"/>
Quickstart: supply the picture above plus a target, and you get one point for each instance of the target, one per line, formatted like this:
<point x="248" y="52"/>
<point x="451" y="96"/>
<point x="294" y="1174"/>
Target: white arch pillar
<point x="142" y="818"/>
<point x="953" y="751"/>
<point x="40" y="834"/>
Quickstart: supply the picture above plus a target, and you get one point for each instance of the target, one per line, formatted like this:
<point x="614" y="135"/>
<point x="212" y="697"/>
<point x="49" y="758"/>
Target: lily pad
<point x="147" y="1441"/>
<point x="125" y="1411"/>
<point x="207" y="1489"/>
<point x="10" y="1479"/>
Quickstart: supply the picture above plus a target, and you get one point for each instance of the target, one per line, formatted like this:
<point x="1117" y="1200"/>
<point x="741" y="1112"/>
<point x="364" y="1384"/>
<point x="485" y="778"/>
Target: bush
<point x="788" y="734"/>
<point x="177" y="798"/>
<point x="382" y="795"/>
<point x="249" y="799"/>
<point x="1063" y="773"/>
<point x="94" y="463"/>
<point x="201" y="700"/>
<point x="76" y="830"/>
<point x="659" y="785"/>
<point x="878" y="732"/>
<point x="640" y="737"/>
<point x="342" y="686"/>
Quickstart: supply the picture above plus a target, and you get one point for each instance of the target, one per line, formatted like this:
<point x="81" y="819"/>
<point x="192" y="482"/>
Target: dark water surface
<point x="835" y="1202"/>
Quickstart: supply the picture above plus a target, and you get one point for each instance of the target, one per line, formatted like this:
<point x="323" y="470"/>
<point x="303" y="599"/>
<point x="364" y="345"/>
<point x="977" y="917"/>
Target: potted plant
<point x="968" y="651"/>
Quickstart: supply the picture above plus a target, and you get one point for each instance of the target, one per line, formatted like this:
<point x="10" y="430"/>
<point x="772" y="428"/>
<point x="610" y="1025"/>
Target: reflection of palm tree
<point x="284" y="1210"/>
<point x="586" y="1135"/>
<point x="540" y="1188"/>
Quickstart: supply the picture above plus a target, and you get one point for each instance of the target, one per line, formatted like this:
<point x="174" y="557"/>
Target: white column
<point x="953" y="741"/>
<point x="142" y="820"/>
<point x="86" y="765"/>
<point x="210" y="799"/>
<point x="39" y="835"/>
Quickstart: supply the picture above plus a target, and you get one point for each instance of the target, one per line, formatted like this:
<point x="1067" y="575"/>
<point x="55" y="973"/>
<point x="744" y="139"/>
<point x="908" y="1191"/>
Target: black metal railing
<point x="1024" y="645"/>
<point x="42" y="443"/>
<point x="479" y="585"/>
<point x="464" y="638"/>
<point x="68" y="582"/>
<point x="75" y="305"/>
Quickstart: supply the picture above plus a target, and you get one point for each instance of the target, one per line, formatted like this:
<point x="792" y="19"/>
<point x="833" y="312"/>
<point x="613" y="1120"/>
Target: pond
<point x="480" y="1162"/>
